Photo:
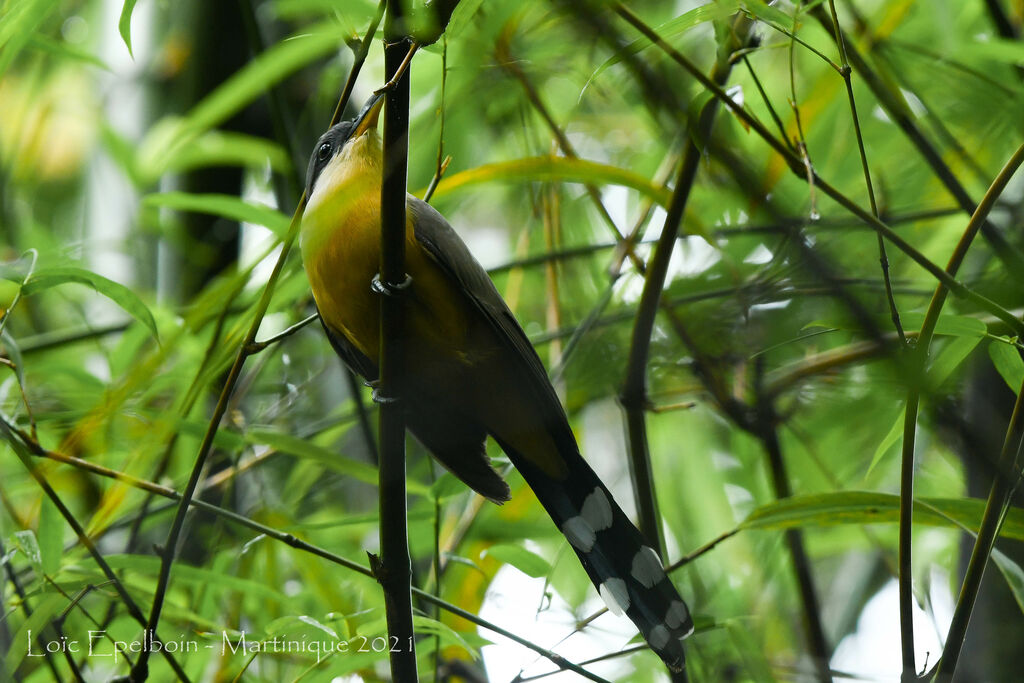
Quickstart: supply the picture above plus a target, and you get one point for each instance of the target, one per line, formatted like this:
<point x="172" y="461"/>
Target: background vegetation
<point x="150" y="158"/>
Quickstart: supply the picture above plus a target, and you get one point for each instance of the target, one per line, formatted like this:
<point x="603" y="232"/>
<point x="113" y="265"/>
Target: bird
<point x="469" y="372"/>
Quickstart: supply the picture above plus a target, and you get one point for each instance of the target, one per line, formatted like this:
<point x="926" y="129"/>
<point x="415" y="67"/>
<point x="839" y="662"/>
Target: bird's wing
<point x="352" y="356"/>
<point x="448" y="250"/>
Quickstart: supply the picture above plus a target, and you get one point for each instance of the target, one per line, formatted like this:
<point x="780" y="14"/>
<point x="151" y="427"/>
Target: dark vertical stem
<point x="918" y="367"/>
<point x="634" y="391"/>
<point x="819" y="647"/>
<point x="899" y="112"/>
<point x="394" y="570"/>
<point x="1001" y="20"/>
<point x="883" y="259"/>
<point x="992" y="519"/>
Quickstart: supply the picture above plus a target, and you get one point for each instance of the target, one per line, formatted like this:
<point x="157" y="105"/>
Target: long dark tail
<point x="626" y="571"/>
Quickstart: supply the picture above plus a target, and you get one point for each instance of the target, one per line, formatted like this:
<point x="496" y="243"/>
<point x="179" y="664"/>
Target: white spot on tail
<point x="658" y="637"/>
<point x="597" y="510"/>
<point x="615" y="595"/>
<point x="580" y="533"/>
<point x="647" y="567"/>
<point x="678" y="615"/>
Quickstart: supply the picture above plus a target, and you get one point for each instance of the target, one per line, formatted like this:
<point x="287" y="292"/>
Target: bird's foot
<point x="390" y="289"/>
<point x="378" y="395"/>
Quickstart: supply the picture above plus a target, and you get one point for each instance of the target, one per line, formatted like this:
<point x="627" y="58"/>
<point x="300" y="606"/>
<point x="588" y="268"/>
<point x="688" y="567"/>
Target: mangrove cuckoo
<point x="470" y="371"/>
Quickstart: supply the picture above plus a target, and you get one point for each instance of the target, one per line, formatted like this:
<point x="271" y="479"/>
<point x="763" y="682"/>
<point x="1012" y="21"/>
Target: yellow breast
<point x="340" y="244"/>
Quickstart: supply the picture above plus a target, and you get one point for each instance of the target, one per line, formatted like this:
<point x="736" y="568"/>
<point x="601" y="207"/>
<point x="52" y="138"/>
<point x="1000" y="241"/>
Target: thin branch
<point x="796" y="165"/>
<point x="634" y="391"/>
<point x="819" y="648"/>
<point x="257" y="346"/>
<point x="991" y="521"/>
<point x="899" y="112"/>
<point x="931" y="319"/>
<point x="293" y="542"/>
<point x="20" y="449"/>
<point x="442" y="160"/>
<point x="883" y="259"/>
<point x="393" y="569"/>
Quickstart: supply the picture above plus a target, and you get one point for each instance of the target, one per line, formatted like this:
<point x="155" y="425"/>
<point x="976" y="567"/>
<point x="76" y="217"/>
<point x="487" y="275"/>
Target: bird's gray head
<point x="334" y="140"/>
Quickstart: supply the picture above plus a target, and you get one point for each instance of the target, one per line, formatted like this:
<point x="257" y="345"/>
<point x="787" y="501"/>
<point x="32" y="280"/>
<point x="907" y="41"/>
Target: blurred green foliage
<point x="124" y="372"/>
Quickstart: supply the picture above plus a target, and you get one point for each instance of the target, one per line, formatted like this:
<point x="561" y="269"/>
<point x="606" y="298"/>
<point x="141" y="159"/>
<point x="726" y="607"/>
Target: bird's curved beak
<point x="367" y="118"/>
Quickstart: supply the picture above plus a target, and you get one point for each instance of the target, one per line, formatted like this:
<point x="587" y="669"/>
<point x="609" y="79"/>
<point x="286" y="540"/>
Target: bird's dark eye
<point x="323" y="151"/>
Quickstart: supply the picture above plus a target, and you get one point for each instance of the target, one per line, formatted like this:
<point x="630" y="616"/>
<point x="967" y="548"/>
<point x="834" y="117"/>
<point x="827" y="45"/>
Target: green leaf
<point x="554" y="168"/>
<point x="526" y="561"/>
<point x="949" y="325"/>
<point x="287" y="443"/>
<point x="116" y="292"/>
<point x="463" y="14"/>
<point x="950" y="358"/>
<point x="149" y="565"/>
<point x="63" y="49"/>
<point x="868" y="507"/>
<point x="892" y="437"/>
<point x="293" y="624"/>
<point x="223" y="205"/>
<point x="699" y="15"/>
<point x="446" y="486"/>
<point x="43" y="611"/>
<point x="124" y="24"/>
<point x="20" y="268"/>
<point x="26" y="542"/>
<point x="18" y="24"/>
<point x="997" y="49"/>
<point x="762" y="11"/>
<point x="225" y="148"/>
<point x="1013" y="574"/>
<point x="1008" y="363"/>
<point x="173" y="136"/>
<point x="51" y="537"/>
<point x="13" y="351"/>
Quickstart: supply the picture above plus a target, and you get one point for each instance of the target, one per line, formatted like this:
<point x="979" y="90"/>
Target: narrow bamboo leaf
<point x="1008" y="363"/>
<point x="298" y="623"/>
<point x="124" y="24"/>
<point x="43" y="611"/>
<point x="18" y="24"/>
<point x="1013" y="574"/>
<point x="463" y="14"/>
<point x="449" y="636"/>
<point x="526" y="561"/>
<point x="553" y="168"/>
<point x="669" y="29"/>
<point x="20" y="268"/>
<point x="173" y="135"/>
<point x="224" y="148"/>
<point x="868" y="507"/>
<point x="63" y="49"/>
<point x="150" y="565"/>
<point x="226" y="206"/>
<point x="890" y="438"/>
<point x="51" y="537"/>
<point x="332" y="459"/>
<point x="950" y="358"/>
<point x="996" y="49"/>
<point x="949" y="325"/>
<point x="28" y="544"/>
<point x="764" y="12"/>
<point x="446" y="486"/>
<point x="116" y="292"/>
<point x="10" y="347"/>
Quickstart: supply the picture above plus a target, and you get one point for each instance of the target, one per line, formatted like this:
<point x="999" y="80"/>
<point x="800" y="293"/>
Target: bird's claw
<point x="390" y="289"/>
